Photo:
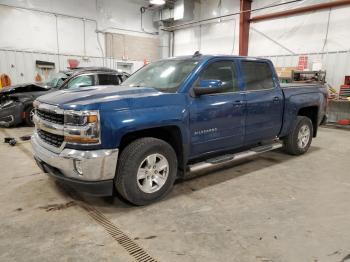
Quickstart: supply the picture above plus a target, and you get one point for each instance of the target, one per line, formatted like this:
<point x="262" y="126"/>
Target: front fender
<point x="117" y="124"/>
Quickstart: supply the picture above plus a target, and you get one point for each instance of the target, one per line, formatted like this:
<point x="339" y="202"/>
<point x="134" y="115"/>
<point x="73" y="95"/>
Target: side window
<point x="60" y="82"/>
<point x="124" y="76"/>
<point x="225" y="71"/>
<point x="258" y="75"/>
<point x="108" y="79"/>
<point x="81" y="81"/>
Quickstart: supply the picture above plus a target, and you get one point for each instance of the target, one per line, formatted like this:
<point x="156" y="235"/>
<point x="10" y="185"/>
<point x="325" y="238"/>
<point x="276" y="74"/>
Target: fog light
<point x="78" y="165"/>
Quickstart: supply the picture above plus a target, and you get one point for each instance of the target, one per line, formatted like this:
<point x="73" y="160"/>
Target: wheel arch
<point x="310" y="112"/>
<point x="171" y="134"/>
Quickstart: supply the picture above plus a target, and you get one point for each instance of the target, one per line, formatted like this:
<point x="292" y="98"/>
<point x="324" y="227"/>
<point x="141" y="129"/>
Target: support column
<point x="244" y="22"/>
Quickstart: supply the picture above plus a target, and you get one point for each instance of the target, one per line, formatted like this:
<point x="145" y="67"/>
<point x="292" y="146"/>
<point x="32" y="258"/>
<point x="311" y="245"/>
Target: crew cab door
<point x="264" y="101"/>
<point x="217" y="120"/>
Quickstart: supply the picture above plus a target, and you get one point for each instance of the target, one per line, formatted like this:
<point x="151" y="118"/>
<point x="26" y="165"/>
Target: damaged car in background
<point x="16" y="102"/>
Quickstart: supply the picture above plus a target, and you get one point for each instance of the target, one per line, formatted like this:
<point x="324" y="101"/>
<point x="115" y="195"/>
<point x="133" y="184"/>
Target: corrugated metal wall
<point x="20" y="65"/>
<point x="40" y="30"/>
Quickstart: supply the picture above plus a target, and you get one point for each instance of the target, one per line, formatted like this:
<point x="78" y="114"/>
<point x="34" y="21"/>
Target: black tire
<point x="291" y="142"/>
<point x="128" y="185"/>
<point x="28" y="116"/>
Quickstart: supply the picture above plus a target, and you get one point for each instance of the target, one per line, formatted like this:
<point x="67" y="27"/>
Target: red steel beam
<point x="244" y="23"/>
<point x="300" y="10"/>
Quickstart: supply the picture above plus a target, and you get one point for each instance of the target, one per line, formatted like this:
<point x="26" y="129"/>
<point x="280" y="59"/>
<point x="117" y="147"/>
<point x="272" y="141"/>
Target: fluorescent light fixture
<point x="157" y="2"/>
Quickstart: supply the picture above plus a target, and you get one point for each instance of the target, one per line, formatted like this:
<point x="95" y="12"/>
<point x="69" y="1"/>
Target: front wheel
<point x="29" y="115"/>
<point x="299" y="140"/>
<point x="146" y="171"/>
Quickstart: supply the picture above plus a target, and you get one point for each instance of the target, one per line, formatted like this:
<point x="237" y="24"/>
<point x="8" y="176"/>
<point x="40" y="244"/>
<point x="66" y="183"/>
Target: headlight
<point x="82" y="127"/>
<point x="80" y="118"/>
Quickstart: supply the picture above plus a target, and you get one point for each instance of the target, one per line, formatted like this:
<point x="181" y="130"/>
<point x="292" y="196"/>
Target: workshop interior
<point x="175" y="130"/>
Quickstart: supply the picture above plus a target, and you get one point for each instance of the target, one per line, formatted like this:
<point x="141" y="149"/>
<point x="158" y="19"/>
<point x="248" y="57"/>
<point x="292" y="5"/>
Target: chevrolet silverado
<point x="173" y="116"/>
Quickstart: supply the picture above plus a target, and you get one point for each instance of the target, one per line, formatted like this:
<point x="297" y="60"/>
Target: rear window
<point x="258" y="75"/>
<point x="108" y="79"/>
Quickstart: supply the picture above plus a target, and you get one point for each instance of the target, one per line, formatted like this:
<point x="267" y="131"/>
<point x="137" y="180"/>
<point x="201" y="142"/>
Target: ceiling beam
<point x="300" y="10"/>
<point x="245" y="7"/>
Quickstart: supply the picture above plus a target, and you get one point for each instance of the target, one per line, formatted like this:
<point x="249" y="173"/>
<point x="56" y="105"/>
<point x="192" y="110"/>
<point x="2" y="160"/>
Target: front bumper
<point x="98" y="166"/>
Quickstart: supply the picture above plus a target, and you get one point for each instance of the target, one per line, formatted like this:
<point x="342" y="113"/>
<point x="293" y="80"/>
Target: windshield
<point x="165" y="76"/>
<point x="56" y="80"/>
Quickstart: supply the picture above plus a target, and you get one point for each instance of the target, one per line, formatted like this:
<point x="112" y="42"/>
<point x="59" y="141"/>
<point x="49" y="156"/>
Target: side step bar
<point x="231" y="158"/>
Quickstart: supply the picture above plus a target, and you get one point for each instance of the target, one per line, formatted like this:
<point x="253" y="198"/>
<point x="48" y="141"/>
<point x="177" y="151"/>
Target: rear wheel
<point x="299" y="140"/>
<point x="29" y="115"/>
<point x="146" y="171"/>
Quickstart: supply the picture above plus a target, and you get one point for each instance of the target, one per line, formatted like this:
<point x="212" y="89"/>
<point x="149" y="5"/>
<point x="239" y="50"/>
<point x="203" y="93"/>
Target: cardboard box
<point x="285" y="72"/>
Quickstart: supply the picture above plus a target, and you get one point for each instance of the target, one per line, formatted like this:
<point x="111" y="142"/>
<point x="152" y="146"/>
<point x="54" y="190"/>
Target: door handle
<point x="276" y="99"/>
<point x="238" y="103"/>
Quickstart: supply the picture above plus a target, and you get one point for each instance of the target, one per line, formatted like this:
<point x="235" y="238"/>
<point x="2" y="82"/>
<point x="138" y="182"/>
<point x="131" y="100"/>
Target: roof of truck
<point x="207" y="57"/>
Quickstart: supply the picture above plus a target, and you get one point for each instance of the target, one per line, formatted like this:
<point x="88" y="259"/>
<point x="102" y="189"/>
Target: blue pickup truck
<point x="173" y="116"/>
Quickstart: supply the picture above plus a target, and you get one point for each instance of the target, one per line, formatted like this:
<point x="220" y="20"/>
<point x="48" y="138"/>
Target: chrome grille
<point x="50" y="116"/>
<point x="51" y="139"/>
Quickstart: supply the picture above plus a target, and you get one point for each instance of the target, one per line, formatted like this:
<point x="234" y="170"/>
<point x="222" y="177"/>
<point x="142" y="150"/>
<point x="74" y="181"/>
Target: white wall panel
<point x="300" y="34"/>
<point x="339" y="31"/>
<point x="186" y="41"/>
<point x="82" y="8"/>
<point x="211" y="8"/>
<point x="215" y="39"/>
<point x="212" y="37"/>
<point x="27" y="30"/>
<point x="35" y="32"/>
<point x="20" y="66"/>
<point x="303" y="33"/>
<point x="124" y="14"/>
<point x="92" y="46"/>
<point x="230" y="6"/>
<point x="71" y="36"/>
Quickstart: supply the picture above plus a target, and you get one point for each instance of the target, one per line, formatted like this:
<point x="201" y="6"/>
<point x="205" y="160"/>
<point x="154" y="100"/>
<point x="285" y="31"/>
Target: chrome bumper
<point x="97" y="165"/>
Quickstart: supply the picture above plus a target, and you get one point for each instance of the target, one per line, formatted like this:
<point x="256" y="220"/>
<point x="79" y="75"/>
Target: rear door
<point x="217" y="120"/>
<point x="264" y="101"/>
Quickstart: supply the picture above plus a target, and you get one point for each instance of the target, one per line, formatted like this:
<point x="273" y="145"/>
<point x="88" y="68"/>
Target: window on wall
<point x="225" y="71"/>
<point x="258" y="75"/>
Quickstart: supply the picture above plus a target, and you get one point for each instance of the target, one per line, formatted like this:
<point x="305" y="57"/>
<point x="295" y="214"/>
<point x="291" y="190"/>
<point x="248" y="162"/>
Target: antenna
<point x="196" y="54"/>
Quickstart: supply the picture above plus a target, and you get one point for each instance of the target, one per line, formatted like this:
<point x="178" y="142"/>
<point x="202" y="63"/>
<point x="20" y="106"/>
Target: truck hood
<point x="23" y="88"/>
<point x="95" y="96"/>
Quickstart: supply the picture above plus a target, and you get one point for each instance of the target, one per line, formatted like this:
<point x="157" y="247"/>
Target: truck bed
<point x="297" y="96"/>
<point x="292" y="89"/>
<point x="298" y="85"/>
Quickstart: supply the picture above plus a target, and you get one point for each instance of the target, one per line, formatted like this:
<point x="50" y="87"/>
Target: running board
<point x="231" y="158"/>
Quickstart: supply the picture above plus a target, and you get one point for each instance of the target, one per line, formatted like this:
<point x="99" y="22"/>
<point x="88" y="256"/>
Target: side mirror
<point x="208" y="87"/>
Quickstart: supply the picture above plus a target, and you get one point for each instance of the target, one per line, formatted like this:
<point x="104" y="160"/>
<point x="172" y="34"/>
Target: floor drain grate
<point x="126" y="242"/>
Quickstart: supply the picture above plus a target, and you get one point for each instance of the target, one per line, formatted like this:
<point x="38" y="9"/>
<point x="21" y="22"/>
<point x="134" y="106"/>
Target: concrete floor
<point x="271" y="208"/>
